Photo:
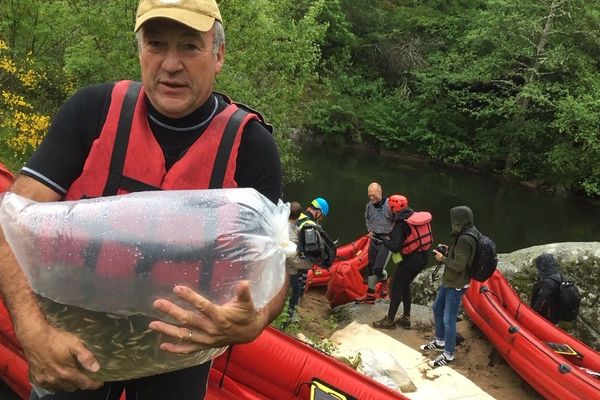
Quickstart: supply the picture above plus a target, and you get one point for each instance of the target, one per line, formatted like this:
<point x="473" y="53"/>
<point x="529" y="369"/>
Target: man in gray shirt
<point x="379" y="221"/>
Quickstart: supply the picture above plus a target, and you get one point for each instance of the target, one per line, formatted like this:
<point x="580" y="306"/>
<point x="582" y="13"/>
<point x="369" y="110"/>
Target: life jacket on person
<point x="421" y="237"/>
<point x="132" y="160"/>
<point x="127" y="158"/>
<point x="314" y="243"/>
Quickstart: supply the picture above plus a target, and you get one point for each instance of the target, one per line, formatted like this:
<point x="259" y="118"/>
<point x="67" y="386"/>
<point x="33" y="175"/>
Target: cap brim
<point x="194" y="20"/>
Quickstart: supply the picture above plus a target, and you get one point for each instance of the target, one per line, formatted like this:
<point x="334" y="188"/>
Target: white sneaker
<point x="432" y="346"/>
<point x="441" y="360"/>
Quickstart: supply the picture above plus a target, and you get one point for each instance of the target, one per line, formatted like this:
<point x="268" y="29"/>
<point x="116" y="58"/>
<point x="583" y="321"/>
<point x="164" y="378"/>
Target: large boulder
<point x="578" y="260"/>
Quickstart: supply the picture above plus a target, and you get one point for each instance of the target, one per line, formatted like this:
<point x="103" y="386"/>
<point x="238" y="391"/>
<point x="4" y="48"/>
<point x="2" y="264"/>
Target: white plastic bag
<point x="97" y="265"/>
<point x="385" y="369"/>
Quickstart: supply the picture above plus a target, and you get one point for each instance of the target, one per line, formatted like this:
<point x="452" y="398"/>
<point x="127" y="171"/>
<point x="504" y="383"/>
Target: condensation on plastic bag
<point x="97" y="265"/>
<point x="118" y="254"/>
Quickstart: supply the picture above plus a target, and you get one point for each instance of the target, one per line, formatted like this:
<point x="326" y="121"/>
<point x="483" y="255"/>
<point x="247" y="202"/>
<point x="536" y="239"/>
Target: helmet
<point x="321" y="204"/>
<point x="397" y="202"/>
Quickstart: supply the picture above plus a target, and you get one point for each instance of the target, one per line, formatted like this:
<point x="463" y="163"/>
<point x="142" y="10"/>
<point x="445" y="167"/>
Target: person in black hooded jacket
<point x="544" y="296"/>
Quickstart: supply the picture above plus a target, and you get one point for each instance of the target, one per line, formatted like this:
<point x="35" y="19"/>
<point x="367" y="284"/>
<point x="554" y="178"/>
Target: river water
<point x="515" y="216"/>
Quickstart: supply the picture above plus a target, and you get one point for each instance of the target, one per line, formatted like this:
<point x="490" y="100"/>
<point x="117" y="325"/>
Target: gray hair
<point x="218" y="37"/>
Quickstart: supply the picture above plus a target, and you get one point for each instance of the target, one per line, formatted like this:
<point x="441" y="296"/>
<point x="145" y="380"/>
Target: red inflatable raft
<point x="556" y="364"/>
<point x="344" y="279"/>
<point x="356" y="251"/>
<point x="6" y="178"/>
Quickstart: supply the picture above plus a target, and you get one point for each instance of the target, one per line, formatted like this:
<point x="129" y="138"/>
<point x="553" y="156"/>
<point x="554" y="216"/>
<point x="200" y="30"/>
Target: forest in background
<point x="511" y="87"/>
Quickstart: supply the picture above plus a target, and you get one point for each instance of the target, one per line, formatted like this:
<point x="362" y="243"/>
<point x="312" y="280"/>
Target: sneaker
<point x="385" y="323"/>
<point x="404" y="322"/>
<point x="366" y="299"/>
<point x="431" y="346"/>
<point x="441" y="360"/>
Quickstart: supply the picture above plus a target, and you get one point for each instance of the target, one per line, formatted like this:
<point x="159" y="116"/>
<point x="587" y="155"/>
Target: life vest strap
<point x="117" y="161"/>
<point x="224" y="152"/>
<point x="133" y="185"/>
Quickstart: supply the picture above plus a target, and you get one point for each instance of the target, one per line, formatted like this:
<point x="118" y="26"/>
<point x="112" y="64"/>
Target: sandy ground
<point x="492" y="374"/>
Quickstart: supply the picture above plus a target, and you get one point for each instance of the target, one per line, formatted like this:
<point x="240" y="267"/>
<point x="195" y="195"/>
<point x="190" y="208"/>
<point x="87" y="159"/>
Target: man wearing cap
<point x="172" y="131"/>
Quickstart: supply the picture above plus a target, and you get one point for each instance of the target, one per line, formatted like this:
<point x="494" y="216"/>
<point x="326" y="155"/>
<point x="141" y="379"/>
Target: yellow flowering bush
<point x="23" y="127"/>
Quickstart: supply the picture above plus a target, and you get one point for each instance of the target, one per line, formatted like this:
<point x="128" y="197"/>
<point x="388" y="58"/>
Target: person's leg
<point x="109" y="391"/>
<point x="295" y="284"/>
<point x="397" y="290"/>
<point x="369" y="297"/>
<point x="371" y="280"/>
<point x="438" y="313"/>
<point x="387" y="322"/>
<point x="303" y="278"/>
<point x="414" y="266"/>
<point x="437" y="344"/>
<point x="452" y="305"/>
<point x="185" y="384"/>
<point x="453" y="297"/>
<point x="381" y="260"/>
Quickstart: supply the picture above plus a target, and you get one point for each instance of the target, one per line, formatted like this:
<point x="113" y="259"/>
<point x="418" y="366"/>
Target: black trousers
<point x="185" y="384"/>
<point x="406" y="272"/>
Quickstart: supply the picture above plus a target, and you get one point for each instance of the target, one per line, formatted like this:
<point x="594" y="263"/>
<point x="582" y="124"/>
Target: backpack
<point x="569" y="299"/>
<point x="485" y="260"/>
<point x="315" y="245"/>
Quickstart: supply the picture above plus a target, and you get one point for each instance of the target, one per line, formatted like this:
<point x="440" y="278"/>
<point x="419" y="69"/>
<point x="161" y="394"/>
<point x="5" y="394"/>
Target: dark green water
<point x="513" y="215"/>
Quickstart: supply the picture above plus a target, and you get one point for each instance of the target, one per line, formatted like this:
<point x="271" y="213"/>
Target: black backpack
<point x="315" y="245"/>
<point x="485" y="260"/>
<point x="569" y="299"/>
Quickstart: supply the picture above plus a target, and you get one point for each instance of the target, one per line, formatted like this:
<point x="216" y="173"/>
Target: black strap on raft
<point x="225" y="147"/>
<point x="117" y="161"/>
<point x="229" y="351"/>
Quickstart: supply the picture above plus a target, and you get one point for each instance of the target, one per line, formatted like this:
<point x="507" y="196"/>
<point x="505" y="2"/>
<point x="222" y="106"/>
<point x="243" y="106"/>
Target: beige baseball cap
<point x="197" y="14"/>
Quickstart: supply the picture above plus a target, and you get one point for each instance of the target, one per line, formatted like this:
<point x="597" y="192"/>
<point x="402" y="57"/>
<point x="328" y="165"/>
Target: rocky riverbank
<point x="476" y="358"/>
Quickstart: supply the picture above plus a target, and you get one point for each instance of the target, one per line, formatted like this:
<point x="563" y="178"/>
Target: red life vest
<point x="145" y="161"/>
<point x="421" y="237"/>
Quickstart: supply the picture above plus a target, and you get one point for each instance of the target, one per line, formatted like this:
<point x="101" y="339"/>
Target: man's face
<point x="178" y="66"/>
<point x="318" y="216"/>
<point x="374" y="194"/>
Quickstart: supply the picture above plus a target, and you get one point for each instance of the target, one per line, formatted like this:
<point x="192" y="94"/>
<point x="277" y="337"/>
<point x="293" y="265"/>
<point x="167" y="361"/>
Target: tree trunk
<point x="531" y="75"/>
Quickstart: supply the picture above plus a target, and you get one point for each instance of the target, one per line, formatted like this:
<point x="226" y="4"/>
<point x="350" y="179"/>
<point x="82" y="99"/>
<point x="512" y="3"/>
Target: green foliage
<point x="496" y="84"/>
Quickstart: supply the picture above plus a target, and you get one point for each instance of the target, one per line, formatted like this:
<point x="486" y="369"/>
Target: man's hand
<point x="59" y="360"/>
<point x="209" y="325"/>
<point x="438" y="256"/>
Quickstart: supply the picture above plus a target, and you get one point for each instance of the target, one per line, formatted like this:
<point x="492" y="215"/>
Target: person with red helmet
<point x="410" y="239"/>
<point x="379" y="221"/>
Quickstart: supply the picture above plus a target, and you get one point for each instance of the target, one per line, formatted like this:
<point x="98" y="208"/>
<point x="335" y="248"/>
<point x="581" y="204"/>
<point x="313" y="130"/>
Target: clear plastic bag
<point x="97" y="265"/>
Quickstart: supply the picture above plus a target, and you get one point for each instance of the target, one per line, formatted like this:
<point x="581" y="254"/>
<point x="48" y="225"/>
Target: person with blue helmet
<point x="320" y="204"/>
<point x="314" y="246"/>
